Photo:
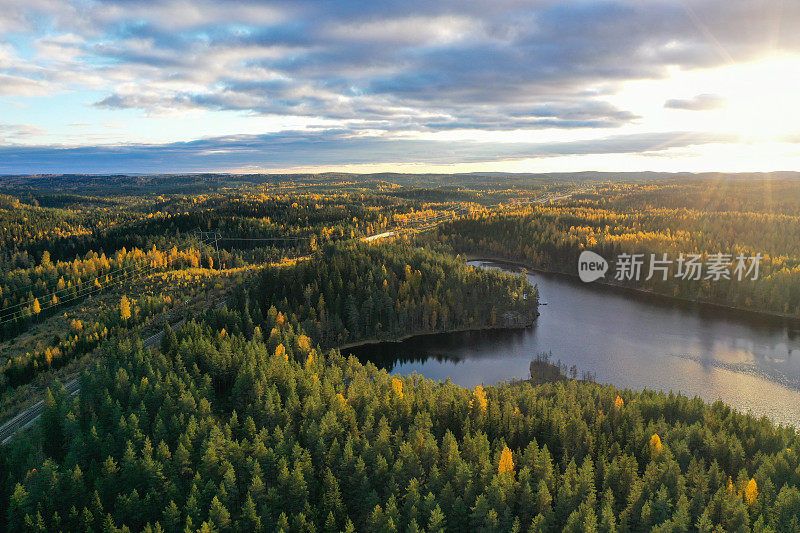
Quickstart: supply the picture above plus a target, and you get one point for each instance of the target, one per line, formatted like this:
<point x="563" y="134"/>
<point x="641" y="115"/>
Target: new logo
<point x="591" y="266"/>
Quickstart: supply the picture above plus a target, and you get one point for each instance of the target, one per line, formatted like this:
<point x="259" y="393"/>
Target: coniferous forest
<point x="185" y="340"/>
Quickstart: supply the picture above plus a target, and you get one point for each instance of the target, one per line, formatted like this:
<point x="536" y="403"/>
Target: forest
<point x="388" y="292"/>
<point x="673" y="218"/>
<point x="222" y="429"/>
<point x="214" y="395"/>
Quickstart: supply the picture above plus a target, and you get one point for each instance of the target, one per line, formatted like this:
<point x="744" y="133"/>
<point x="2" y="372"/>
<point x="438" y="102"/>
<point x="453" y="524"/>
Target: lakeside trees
<point x="655" y="218"/>
<point x="218" y="432"/>
<point x="352" y="293"/>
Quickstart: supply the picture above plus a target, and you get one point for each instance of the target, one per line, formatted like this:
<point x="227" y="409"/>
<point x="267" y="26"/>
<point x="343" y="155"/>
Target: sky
<point x="124" y="86"/>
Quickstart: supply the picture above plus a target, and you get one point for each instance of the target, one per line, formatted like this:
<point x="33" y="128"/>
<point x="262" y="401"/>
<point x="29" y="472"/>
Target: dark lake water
<point x="752" y="364"/>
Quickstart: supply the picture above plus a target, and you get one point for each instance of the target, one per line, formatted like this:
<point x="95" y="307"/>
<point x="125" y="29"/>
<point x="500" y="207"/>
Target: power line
<point x="30" y="288"/>
<point x="88" y="291"/>
<point x="267" y="238"/>
<point x="144" y="270"/>
<point x="16" y="308"/>
<point x="216" y="236"/>
<point x="56" y="293"/>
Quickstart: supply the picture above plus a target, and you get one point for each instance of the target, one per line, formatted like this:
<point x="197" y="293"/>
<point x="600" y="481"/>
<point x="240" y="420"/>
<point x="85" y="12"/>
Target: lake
<point x="751" y="363"/>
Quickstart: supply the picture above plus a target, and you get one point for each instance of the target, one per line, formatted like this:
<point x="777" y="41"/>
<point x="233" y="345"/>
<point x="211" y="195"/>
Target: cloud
<point x="11" y="133"/>
<point x="18" y="77"/>
<point x="418" y="60"/>
<point x="701" y="102"/>
<point x="387" y="67"/>
<point x="410" y="31"/>
<point x="21" y="86"/>
<point x="322" y="147"/>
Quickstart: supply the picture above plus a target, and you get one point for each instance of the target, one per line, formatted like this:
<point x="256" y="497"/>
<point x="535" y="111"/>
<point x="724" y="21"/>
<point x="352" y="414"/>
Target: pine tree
<point x="172" y="518"/>
<point x="283" y="523"/>
<point x="18" y="508"/>
<point x="219" y="515"/>
<point x="543" y="499"/>
<point x="332" y="498"/>
<point x="250" y="519"/>
<point x="53" y="433"/>
<point x="330" y="524"/>
<point x="436" y="522"/>
<point x="169" y="340"/>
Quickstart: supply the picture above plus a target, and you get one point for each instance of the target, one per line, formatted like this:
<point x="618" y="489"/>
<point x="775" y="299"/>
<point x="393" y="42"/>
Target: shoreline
<point x="742" y="312"/>
<point x="399" y="340"/>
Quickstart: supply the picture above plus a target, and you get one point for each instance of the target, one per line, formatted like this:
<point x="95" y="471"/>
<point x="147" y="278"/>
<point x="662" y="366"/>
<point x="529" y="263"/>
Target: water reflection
<point x="626" y="339"/>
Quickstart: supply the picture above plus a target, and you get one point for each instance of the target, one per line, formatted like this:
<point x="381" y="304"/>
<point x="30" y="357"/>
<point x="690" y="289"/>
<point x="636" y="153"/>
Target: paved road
<point x="378" y="236"/>
<point x="29" y="416"/>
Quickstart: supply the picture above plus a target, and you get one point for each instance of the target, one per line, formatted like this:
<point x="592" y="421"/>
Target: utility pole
<point x="216" y="245"/>
<point x="211" y="237"/>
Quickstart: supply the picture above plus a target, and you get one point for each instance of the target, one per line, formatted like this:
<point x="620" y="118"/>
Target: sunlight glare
<point x="757" y="100"/>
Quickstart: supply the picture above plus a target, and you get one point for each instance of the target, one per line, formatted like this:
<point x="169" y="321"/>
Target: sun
<point x="761" y="100"/>
<point x="755" y="101"/>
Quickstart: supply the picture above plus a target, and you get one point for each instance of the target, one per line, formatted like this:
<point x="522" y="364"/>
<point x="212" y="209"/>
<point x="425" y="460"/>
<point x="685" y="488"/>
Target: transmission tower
<point x="211" y="237"/>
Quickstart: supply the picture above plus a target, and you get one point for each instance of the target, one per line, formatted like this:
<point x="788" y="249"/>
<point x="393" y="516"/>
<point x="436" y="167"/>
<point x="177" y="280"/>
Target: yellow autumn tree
<point x="280" y="351"/>
<point x="124" y="308"/>
<point x="397" y="387"/>
<point x="619" y="403"/>
<point x="479" y="400"/>
<point x="506" y="461"/>
<point x="303" y="344"/>
<point x="751" y="492"/>
<point x="36" y="308"/>
<point x="655" y="445"/>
